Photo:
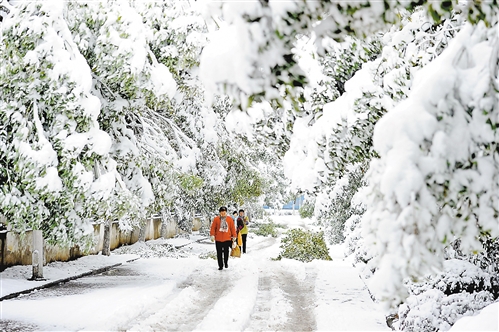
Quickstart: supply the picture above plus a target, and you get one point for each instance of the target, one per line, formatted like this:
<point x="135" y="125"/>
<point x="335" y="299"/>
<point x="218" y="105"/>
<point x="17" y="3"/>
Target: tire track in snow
<point x="189" y="304"/>
<point x="302" y="298"/>
<point x="283" y="302"/>
<point x="271" y="307"/>
<point x="286" y="296"/>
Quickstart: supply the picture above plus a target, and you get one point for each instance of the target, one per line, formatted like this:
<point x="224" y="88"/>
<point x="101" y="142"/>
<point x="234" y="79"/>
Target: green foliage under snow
<point x="69" y="80"/>
<point x="266" y="228"/>
<point x="207" y="255"/>
<point x="304" y="246"/>
<point x="306" y="210"/>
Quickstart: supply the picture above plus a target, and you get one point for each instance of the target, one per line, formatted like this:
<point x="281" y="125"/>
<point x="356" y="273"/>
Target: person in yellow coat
<point x="239" y="226"/>
<point x="244" y="230"/>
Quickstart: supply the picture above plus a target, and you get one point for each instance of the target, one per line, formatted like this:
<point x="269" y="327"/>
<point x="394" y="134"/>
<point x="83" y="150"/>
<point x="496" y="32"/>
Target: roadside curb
<point x="60" y="281"/>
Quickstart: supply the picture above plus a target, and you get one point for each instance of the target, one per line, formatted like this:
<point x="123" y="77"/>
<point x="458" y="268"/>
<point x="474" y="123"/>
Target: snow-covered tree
<point x="260" y="63"/>
<point x="423" y="191"/>
<point x="224" y="169"/>
<point x="117" y="110"/>
<point x="108" y="101"/>
<point x="444" y="181"/>
<point x="51" y="141"/>
<point x="132" y="85"/>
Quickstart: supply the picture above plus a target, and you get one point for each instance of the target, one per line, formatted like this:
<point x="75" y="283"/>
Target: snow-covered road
<point x="256" y="293"/>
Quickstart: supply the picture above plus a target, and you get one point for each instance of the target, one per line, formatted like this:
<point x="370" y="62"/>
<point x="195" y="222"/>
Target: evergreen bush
<point x="306" y="210"/>
<point x="265" y="229"/>
<point x="433" y="311"/>
<point x="467" y="284"/>
<point x="304" y="246"/>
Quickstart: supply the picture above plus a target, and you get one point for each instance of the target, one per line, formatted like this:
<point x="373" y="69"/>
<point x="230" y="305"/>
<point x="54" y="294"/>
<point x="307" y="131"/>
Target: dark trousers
<point x="244" y="242"/>
<point x="223" y="247"/>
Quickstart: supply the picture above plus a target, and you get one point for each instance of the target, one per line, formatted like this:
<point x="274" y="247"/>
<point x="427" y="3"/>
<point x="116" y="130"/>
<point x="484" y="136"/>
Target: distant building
<point x="293" y="205"/>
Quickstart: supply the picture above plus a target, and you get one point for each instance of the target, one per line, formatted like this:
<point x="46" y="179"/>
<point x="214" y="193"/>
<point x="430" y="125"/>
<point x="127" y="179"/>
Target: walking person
<point x="223" y="232"/>
<point x="239" y="227"/>
<point x="244" y="230"/>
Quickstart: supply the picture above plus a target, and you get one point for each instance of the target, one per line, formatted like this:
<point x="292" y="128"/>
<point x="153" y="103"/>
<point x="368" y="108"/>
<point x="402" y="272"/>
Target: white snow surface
<point x="339" y="295"/>
<point x="486" y="320"/>
<point x="15" y="279"/>
<point x="160" y="292"/>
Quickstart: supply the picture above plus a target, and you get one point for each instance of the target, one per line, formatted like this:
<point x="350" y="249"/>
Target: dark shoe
<point x="226" y="266"/>
<point x="220" y="268"/>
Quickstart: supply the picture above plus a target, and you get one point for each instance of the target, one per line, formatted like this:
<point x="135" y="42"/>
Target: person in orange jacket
<point x="223" y="233"/>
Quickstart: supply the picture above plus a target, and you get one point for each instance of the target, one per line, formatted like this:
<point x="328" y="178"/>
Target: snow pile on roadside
<point x="153" y="249"/>
<point x="180" y="246"/>
<point x="485" y="320"/>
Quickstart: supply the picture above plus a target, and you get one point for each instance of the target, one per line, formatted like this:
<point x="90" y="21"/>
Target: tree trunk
<point x="142" y="232"/>
<point x="106" y="245"/>
<point x="163" y="228"/>
<point x="164" y="224"/>
<point x="37" y="255"/>
<point x="175" y="220"/>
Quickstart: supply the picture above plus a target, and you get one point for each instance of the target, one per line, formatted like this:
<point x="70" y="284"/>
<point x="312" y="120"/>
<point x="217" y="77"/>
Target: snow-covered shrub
<point x="304" y="246"/>
<point x="267" y="228"/>
<point x="438" y="301"/>
<point x="432" y="310"/>
<point x="458" y="276"/>
<point x="306" y="210"/>
<point x="488" y="258"/>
